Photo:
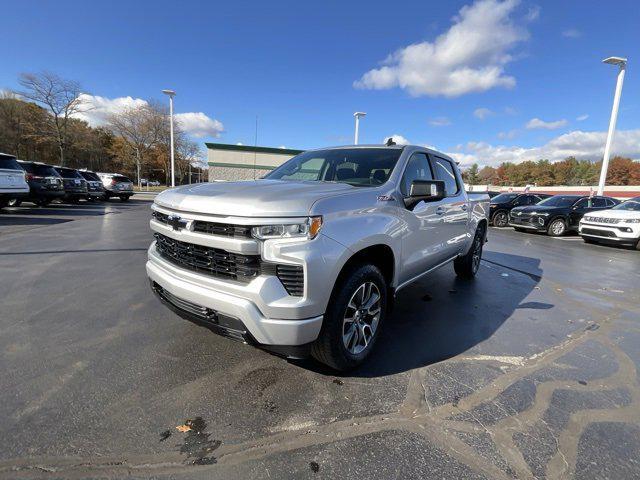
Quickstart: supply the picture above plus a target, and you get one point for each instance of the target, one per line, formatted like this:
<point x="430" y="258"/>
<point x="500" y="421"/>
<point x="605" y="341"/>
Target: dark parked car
<point x="558" y="214"/>
<point x="75" y="186"/>
<point x="95" y="188"/>
<point x="502" y="204"/>
<point x="45" y="184"/>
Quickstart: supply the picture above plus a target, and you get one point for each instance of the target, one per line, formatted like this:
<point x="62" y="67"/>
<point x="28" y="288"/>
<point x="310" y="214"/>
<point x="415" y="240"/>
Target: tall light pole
<point x="357" y="115"/>
<point x="171" y="94"/>
<point x="622" y="63"/>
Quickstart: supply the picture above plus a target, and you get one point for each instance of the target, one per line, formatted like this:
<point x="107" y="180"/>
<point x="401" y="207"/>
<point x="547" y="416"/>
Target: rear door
<point x="453" y="210"/>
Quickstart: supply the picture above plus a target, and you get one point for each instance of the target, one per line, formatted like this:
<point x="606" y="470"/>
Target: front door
<point x="424" y="240"/>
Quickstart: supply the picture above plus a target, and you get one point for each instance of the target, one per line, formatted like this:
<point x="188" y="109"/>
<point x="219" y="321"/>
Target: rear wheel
<point x="353" y="319"/>
<point x="557" y="228"/>
<point x="468" y="265"/>
<point x="500" y="219"/>
<point x="14" y="202"/>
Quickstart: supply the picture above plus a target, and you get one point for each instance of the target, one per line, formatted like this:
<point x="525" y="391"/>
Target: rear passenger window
<point x="417" y="169"/>
<point x="443" y="170"/>
<point x="599" y="203"/>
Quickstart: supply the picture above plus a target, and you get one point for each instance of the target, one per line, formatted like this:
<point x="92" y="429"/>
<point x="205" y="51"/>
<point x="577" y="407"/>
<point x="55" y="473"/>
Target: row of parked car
<point x="41" y="184"/>
<point x="598" y="219"/>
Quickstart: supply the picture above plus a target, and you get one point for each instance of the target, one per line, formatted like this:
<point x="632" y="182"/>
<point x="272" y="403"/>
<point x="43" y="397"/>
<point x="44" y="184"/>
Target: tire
<point x="500" y="219"/>
<point x="14" y="202"/>
<point x="638" y="245"/>
<point x="557" y="227"/>
<point x="468" y="265"/>
<point x="124" y="198"/>
<point x="342" y="351"/>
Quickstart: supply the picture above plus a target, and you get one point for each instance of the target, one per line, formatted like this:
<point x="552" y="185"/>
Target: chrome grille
<point x="211" y="228"/>
<point x="611" y="221"/>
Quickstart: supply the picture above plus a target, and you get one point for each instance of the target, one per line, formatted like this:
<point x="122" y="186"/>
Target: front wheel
<point x="353" y="319"/>
<point x="468" y="265"/>
<point x="500" y="219"/>
<point x="557" y="228"/>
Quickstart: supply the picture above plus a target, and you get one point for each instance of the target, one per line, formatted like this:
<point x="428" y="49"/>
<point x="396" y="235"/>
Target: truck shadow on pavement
<point x="442" y="316"/>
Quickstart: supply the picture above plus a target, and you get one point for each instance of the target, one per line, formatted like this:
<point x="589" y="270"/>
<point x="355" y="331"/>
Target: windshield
<point x="632" y="204"/>
<point x="68" y="173"/>
<point x="120" y="178"/>
<point x="44" y="170"/>
<point x="90" y="176"/>
<point x="361" y="167"/>
<point x="504" y="197"/>
<point x="559" y="201"/>
<point x="10" y="163"/>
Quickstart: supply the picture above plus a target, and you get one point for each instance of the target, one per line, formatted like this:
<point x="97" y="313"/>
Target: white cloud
<point x="572" y="33"/>
<point x="440" y="122"/>
<point x="536" y="123"/>
<point x="96" y="111"/>
<point x="469" y="57"/>
<point x="582" y="117"/>
<point x="509" y="134"/>
<point x="579" y="144"/>
<point x="199" y="125"/>
<point x="510" y="111"/>
<point x="482" y="113"/>
<point x="398" y="139"/>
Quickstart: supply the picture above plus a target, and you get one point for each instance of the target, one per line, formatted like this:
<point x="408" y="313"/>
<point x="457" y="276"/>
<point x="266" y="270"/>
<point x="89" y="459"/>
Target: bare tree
<point x="60" y="97"/>
<point x="141" y="128"/>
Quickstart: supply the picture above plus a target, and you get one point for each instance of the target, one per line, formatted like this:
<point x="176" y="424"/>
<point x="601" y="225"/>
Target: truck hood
<point x="257" y="198"/>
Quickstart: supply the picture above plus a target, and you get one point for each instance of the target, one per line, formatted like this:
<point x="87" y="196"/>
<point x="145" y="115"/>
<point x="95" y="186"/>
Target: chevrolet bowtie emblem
<point x="176" y="222"/>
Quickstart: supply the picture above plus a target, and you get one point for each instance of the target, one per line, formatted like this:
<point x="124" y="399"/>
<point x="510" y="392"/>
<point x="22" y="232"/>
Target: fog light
<point x="541" y="221"/>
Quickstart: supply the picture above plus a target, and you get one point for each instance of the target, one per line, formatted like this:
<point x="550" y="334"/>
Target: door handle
<point x="440" y="211"/>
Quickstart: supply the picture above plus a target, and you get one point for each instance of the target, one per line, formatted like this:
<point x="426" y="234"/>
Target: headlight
<point x="632" y="220"/>
<point x="309" y="228"/>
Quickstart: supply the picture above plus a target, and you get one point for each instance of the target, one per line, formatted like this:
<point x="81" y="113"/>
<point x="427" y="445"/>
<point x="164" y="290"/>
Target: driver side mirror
<point x="425" y="191"/>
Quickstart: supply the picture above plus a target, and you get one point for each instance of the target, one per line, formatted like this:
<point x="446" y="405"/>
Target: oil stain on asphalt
<point x="197" y="445"/>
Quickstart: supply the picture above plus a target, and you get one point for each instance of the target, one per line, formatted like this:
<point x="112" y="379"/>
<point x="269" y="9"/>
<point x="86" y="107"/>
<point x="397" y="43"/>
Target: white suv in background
<point x="13" y="183"/>
<point x="619" y="225"/>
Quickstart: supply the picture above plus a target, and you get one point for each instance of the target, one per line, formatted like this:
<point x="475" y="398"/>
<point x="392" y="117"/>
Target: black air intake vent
<point x="292" y="277"/>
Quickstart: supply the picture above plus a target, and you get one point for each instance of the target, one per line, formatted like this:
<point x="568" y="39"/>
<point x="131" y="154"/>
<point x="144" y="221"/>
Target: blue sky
<point x="304" y="69"/>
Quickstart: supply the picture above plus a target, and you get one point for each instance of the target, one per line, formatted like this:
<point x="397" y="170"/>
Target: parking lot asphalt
<point x="530" y="371"/>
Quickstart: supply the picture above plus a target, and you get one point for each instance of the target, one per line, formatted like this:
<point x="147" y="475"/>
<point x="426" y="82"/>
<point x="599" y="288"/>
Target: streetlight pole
<point x="357" y="115"/>
<point x="622" y="63"/>
<point x="171" y="94"/>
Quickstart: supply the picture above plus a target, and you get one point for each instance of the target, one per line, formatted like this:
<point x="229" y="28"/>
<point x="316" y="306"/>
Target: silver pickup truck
<point x="308" y="259"/>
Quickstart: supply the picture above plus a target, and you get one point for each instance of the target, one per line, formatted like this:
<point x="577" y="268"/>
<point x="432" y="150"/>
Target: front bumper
<point x="531" y="223"/>
<point x="621" y="234"/>
<point x="208" y="293"/>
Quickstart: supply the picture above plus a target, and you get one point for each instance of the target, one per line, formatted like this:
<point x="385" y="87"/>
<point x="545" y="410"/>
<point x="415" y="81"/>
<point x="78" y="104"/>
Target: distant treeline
<point x="40" y="123"/>
<point x="622" y="171"/>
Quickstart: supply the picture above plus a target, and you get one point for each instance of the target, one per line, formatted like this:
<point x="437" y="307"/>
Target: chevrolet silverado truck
<point x="308" y="259"/>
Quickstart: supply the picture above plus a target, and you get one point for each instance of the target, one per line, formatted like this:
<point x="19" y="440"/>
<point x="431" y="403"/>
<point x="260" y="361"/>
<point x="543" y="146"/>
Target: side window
<point x="583" y="203"/>
<point x="443" y="170"/>
<point x="599" y="202"/>
<point x="417" y="169"/>
<point x="522" y="200"/>
<point x="610" y="203"/>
